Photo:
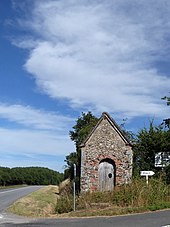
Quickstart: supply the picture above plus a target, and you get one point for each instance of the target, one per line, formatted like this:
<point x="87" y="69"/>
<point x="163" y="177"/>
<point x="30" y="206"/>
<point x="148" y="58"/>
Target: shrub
<point x="155" y="195"/>
<point x="64" y="204"/>
<point x="138" y="194"/>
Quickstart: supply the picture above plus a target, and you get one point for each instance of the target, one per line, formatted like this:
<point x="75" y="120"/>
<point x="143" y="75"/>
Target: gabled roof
<point x="105" y="115"/>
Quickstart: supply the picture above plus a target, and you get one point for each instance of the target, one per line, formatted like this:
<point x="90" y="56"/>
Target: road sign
<point x="147" y="173"/>
<point x="162" y="159"/>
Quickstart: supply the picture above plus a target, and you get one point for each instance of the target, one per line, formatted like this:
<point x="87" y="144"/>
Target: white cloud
<point x="34" y="118"/>
<point x="101" y="54"/>
<point x="35" y="135"/>
<point x="27" y="142"/>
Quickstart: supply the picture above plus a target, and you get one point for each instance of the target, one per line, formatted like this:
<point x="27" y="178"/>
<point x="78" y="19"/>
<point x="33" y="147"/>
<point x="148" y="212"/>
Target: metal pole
<point x="74" y="196"/>
<point x="147" y="179"/>
<point x="74" y="189"/>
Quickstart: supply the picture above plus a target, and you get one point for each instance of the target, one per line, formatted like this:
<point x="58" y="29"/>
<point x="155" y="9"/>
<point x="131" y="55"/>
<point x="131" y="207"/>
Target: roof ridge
<point x="113" y="123"/>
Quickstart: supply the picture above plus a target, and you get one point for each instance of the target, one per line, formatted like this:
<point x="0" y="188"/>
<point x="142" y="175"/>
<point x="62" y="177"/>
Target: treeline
<point x="29" y="176"/>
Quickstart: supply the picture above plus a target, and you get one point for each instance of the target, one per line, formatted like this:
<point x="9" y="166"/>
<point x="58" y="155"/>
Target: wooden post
<point x="147" y="179"/>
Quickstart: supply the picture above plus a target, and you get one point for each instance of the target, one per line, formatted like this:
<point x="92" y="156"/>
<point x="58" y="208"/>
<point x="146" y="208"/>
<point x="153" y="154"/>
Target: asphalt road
<point x="155" y="219"/>
<point x="7" y="197"/>
<point x="152" y="219"/>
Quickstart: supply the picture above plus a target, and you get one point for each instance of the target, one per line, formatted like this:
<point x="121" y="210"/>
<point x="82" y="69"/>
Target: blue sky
<point x="63" y="57"/>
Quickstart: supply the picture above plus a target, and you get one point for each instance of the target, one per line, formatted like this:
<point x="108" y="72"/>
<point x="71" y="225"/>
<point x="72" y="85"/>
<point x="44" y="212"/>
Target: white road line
<point x="10" y="190"/>
<point x="165" y="226"/>
<point x="1" y="216"/>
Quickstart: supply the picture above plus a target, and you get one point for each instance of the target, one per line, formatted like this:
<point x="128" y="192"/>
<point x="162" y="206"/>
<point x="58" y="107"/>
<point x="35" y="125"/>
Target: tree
<point x="71" y="159"/>
<point x="29" y="175"/>
<point x="84" y="125"/>
<point x="148" y="143"/>
<point x="167" y="99"/>
<point x="167" y="121"/>
<point x="5" y="177"/>
<point x="82" y="128"/>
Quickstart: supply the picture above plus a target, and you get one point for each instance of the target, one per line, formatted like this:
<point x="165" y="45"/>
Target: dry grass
<point x="109" y="211"/>
<point x="63" y="185"/>
<point x="38" y="204"/>
<point x="134" y="198"/>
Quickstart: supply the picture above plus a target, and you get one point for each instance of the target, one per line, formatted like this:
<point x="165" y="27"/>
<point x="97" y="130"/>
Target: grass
<point x="133" y="198"/>
<point x="38" y="204"/>
<point x="54" y="201"/>
<point x="110" y="211"/>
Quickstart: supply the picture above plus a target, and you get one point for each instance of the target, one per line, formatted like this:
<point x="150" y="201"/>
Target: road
<point x="8" y="196"/>
<point x="155" y="219"/>
<point x="152" y="219"/>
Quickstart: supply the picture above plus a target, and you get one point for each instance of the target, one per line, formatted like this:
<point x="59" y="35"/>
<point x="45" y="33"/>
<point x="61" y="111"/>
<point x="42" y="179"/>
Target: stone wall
<point x="106" y="141"/>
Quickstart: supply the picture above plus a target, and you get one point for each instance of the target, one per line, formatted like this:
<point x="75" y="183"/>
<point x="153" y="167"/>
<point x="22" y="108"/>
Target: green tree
<point x="82" y="128"/>
<point x="84" y="125"/>
<point x="149" y="142"/>
<point x="5" y="177"/>
<point x="167" y="121"/>
<point x="71" y="159"/>
<point x="30" y="176"/>
<point x="167" y="99"/>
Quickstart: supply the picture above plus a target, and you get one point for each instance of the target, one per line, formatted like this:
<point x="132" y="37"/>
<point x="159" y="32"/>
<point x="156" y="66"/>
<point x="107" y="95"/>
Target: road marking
<point x="166" y="226"/>
<point x="11" y="190"/>
<point x="1" y="216"/>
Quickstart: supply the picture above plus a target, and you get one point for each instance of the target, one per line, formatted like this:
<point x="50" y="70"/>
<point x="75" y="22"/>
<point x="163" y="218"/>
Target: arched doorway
<point x="107" y="175"/>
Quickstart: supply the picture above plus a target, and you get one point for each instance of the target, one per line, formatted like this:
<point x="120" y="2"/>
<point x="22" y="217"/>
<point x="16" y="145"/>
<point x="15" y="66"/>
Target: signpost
<point x="74" y="188"/>
<point x="147" y="174"/>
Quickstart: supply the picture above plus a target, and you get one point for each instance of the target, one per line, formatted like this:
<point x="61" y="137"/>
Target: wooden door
<point x="106" y="176"/>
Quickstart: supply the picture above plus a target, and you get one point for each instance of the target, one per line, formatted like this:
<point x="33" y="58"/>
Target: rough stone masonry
<point x="106" y="157"/>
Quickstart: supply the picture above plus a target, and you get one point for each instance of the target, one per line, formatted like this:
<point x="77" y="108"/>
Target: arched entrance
<point x="107" y="175"/>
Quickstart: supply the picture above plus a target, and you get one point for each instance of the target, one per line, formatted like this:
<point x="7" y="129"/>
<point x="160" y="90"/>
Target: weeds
<point x="131" y="198"/>
<point x="64" y="204"/>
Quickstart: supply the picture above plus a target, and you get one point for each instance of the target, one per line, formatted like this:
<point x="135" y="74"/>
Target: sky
<point x="59" y="58"/>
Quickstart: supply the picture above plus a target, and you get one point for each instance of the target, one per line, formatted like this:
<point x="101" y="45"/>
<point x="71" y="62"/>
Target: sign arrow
<point x="147" y="173"/>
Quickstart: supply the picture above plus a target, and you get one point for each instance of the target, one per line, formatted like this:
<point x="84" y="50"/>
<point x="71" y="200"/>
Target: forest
<point x="29" y="176"/>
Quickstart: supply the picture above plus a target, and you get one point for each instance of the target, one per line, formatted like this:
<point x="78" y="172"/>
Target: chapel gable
<point x="106" y="157"/>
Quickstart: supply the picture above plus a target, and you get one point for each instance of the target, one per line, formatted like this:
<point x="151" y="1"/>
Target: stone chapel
<point x="106" y="157"/>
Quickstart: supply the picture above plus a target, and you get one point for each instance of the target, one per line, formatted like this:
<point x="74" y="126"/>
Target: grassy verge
<point x="54" y="201"/>
<point x="133" y="198"/>
<point x="110" y="211"/>
<point x="38" y="204"/>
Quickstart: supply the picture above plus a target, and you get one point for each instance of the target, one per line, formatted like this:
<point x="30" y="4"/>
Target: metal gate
<point x="106" y="176"/>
